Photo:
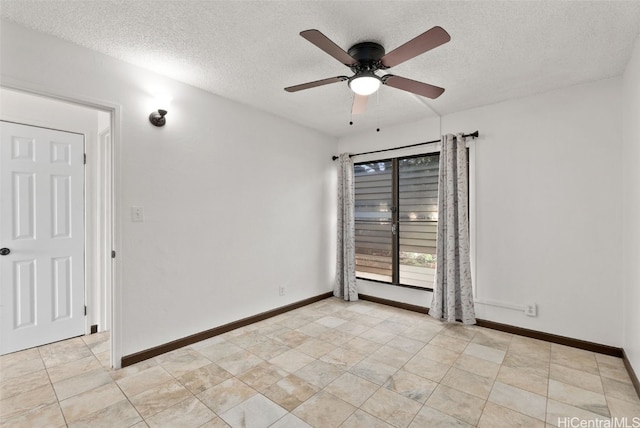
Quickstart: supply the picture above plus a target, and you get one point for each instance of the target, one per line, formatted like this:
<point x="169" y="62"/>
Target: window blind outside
<point x="373" y="220"/>
<point x="418" y="219"/>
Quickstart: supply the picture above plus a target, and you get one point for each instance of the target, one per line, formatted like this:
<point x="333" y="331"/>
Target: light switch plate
<point x="137" y="214"/>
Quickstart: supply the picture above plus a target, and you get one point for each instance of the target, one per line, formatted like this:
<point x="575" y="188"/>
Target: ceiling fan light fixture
<point x="365" y="83"/>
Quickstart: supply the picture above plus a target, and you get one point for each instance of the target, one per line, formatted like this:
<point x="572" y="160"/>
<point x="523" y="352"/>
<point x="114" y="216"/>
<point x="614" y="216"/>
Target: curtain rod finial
<point x="334" y="157"/>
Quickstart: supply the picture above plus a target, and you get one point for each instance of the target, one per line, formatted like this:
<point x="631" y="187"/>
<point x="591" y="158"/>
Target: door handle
<point x="5" y="251"/>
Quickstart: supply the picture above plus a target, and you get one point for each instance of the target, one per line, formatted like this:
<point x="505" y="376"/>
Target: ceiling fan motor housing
<point x="368" y="55"/>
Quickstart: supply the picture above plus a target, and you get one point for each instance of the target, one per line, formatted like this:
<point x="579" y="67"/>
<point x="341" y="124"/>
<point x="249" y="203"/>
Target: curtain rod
<point x="473" y="135"/>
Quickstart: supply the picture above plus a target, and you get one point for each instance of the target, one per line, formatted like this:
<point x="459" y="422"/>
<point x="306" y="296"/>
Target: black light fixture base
<point x="157" y="118"/>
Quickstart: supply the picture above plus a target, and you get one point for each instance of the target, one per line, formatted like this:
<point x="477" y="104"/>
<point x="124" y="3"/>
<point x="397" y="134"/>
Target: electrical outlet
<point x="531" y="310"/>
<point x="137" y="214"/>
<point x="281" y="290"/>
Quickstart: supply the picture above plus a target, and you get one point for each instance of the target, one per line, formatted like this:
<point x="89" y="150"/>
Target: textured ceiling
<point x="249" y="51"/>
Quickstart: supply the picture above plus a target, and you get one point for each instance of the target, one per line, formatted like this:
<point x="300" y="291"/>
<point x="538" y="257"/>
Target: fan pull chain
<point x="378" y="111"/>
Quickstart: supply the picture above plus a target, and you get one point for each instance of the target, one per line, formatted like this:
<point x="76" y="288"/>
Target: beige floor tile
<point x="188" y="413"/>
<point x="427" y="368"/>
<point x="360" y="419"/>
<point x="577" y="359"/>
<point x="423" y="332"/>
<point x="144" y="380"/>
<point x="392" y="327"/>
<point x="226" y="395"/>
<point x="395" y="409"/>
<point x="361" y="346"/>
<point x="73" y="368"/>
<point x="290" y="392"/>
<point x="373" y="371"/>
<point x="268" y="349"/>
<point x="462" y="406"/>
<point x="291" y="360"/>
<point x="262" y="376"/>
<point x="22" y="384"/>
<point x="460" y="331"/>
<point x="517" y="399"/>
<point x="182" y="361"/>
<point x="537" y="367"/>
<point x="352" y="389"/>
<point x="495" y="416"/>
<point x="530" y="348"/>
<point x="432" y="418"/>
<point x="133" y="369"/>
<point x="201" y="379"/>
<point x="378" y="336"/>
<point x="291" y="338"/>
<point x="19" y="365"/>
<point x="43" y="416"/>
<point x="470" y="383"/>
<point x="319" y="373"/>
<point x="316" y="348"/>
<point x="240" y="362"/>
<point x="622" y="408"/>
<point x="614" y="371"/>
<point x="343" y="358"/>
<point x="313" y="329"/>
<point x="449" y="342"/>
<point x="290" y="421"/>
<point x="330" y="321"/>
<point x="353" y="328"/>
<point x="9" y="360"/>
<point x="406" y="344"/>
<point x="256" y="412"/>
<point x="391" y="356"/>
<point x="411" y="386"/>
<point x="523" y="379"/>
<point x="582" y="398"/>
<point x="621" y="390"/>
<point x="82" y="405"/>
<point x="120" y="414"/>
<point x="560" y="415"/>
<point x="477" y="366"/>
<point x="15" y="405"/>
<point x="324" y="410"/>
<point x="493" y="339"/>
<point x="485" y="353"/>
<point x="248" y="339"/>
<point x="577" y="378"/>
<point x="83" y="382"/>
<point x="336" y="337"/>
<point x="157" y="399"/>
<point x="220" y="350"/>
<point x="64" y="352"/>
<point x="438" y="354"/>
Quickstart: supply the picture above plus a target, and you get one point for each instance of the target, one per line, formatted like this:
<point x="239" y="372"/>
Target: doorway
<point x="96" y="126"/>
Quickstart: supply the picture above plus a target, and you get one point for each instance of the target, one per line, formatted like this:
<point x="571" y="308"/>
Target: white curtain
<point x="346" y="255"/>
<point x="452" y="291"/>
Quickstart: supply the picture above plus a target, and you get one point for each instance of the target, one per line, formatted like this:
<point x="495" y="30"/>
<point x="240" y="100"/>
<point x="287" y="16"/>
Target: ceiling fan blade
<point x="359" y="104"/>
<point x="322" y="82"/>
<point x="413" y="86"/>
<point x="324" y="43"/>
<point x="424" y="42"/>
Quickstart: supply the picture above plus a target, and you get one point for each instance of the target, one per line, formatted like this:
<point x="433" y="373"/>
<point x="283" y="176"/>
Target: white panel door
<point x="41" y="236"/>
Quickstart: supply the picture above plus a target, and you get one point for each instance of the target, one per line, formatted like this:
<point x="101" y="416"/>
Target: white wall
<point x="548" y="209"/>
<point x="237" y="202"/>
<point x="631" y="213"/>
<point x="39" y="111"/>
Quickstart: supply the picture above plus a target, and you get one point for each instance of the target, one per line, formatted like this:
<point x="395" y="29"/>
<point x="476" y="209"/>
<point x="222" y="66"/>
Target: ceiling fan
<point x="365" y="58"/>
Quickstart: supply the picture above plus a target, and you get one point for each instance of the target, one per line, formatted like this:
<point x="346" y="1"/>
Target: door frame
<point x="111" y="212"/>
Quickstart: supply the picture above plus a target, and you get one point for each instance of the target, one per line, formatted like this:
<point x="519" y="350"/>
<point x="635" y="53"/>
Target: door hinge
<point x="85" y="158"/>
<point x="113" y="254"/>
<point x="85" y="310"/>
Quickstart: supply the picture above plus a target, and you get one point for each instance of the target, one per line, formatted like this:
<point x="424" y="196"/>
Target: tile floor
<point x="329" y="364"/>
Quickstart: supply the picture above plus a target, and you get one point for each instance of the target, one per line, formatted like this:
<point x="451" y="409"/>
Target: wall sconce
<point x="157" y="118"/>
